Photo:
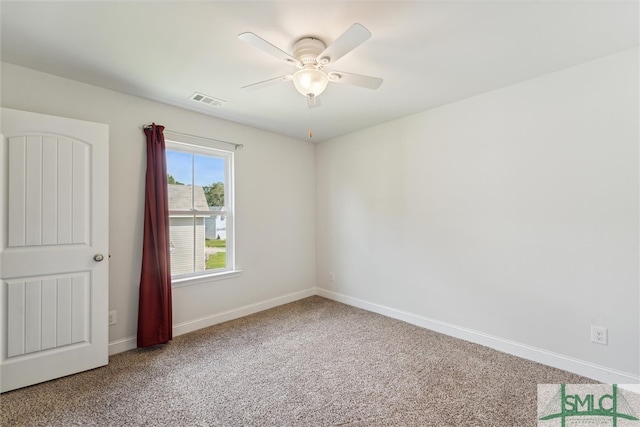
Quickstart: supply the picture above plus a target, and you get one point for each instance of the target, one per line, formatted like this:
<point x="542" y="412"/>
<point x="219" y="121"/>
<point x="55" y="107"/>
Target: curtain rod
<point x="236" y="146"/>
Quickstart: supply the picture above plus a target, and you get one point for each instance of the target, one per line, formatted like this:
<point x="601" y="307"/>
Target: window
<point x="200" y="193"/>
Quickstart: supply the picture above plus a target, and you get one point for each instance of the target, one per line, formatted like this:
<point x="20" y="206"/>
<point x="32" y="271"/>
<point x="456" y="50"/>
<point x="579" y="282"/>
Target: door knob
<point x="98" y="257"/>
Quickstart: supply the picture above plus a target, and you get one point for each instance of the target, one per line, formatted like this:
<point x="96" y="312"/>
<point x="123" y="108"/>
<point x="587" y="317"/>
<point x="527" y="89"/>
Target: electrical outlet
<point x="113" y="317"/>
<point x="332" y="278"/>
<point x="599" y="335"/>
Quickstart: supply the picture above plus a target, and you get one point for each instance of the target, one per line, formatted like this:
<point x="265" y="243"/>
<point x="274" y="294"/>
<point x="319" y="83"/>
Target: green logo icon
<point x="606" y="404"/>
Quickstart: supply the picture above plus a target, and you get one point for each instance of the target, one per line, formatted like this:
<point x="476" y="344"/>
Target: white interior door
<point x="54" y="259"/>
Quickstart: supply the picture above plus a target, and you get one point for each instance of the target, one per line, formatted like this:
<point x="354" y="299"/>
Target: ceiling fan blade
<point x="267" y="47"/>
<point x="268" y="82"/>
<point x="313" y="101"/>
<point x="359" y="80"/>
<point x="349" y="40"/>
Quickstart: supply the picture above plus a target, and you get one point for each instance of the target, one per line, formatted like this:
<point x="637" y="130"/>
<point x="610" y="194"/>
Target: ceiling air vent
<point x="208" y="100"/>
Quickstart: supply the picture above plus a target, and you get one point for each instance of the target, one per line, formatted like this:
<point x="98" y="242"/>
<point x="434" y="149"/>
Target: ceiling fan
<point x="310" y="56"/>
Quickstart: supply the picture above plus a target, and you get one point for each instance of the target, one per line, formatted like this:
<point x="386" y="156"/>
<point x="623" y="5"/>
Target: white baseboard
<point x="580" y="367"/>
<point x="236" y="313"/>
<point x="129" y="343"/>
<point x="122" y="345"/>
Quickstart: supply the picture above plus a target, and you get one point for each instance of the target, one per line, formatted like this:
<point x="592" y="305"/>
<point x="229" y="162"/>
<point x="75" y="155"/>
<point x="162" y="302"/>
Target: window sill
<point x="188" y="281"/>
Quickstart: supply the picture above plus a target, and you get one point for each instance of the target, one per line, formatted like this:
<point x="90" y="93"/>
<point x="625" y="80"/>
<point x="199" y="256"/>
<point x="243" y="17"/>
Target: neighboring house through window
<point x="200" y="192"/>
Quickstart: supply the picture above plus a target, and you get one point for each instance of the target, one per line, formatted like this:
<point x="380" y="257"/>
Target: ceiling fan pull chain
<point x="310" y="125"/>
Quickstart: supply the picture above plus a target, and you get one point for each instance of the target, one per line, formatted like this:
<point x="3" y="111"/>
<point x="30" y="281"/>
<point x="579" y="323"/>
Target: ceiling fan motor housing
<point x="306" y="50"/>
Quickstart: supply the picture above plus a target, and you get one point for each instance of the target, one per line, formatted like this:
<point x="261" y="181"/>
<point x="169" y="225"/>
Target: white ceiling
<point x="429" y="53"/>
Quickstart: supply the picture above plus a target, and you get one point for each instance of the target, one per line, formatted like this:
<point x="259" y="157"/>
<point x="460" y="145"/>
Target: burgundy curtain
<point x="154" y="308"/>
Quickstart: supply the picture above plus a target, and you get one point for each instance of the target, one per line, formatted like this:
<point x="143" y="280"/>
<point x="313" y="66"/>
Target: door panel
<point x="55" y="296"/>
<point x="48" y="312"/>
<point x="48" y="191"/>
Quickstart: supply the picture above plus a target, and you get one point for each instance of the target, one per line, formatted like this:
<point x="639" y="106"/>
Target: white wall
<point x="275" y="246"/>
<point x="513" y="214"/>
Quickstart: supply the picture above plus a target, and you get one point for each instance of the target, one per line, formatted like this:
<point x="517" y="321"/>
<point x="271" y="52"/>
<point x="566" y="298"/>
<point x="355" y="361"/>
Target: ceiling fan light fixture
<point x="310" y="80"/>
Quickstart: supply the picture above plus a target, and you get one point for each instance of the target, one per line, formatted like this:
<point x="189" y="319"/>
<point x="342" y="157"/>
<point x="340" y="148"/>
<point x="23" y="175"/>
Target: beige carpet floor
<point x="314" y="362"/>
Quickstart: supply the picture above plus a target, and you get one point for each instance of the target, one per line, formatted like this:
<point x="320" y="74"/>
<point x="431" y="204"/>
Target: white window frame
<point x="177" y="144"/>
